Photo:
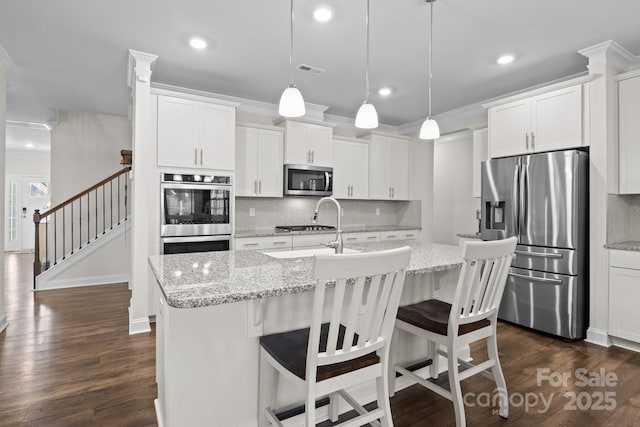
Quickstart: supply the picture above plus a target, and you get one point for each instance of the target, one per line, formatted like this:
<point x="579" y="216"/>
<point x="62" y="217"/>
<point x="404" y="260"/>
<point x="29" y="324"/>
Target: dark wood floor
<point x="67" y="360"/>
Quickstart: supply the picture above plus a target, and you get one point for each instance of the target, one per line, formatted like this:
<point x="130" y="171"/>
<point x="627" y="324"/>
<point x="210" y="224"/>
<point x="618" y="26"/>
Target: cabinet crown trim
<point x="193" y="96"/>
<point x="260" y="126"/>
<point x="629" y="75"/>
<point x="370" y="134"/>
<point x="340" y="138"/>
<point x="539" y="91"/>
<point x="307" y="121"/>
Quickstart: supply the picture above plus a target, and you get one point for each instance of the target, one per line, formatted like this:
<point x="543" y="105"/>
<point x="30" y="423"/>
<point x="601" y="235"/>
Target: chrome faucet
<point x="336" y="244"/>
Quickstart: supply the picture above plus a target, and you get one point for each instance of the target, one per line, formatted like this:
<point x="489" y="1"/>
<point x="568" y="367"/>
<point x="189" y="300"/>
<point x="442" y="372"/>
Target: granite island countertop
<point x="624" y="246"/>
<point x="271" y="232"/>
<point x="213" y="278"/>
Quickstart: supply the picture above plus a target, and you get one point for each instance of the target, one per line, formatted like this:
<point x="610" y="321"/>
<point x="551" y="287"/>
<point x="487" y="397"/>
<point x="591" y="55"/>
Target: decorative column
<point x="139" y="80"/>
<point x="5" y="63"/>
<point x="605" y="61"/>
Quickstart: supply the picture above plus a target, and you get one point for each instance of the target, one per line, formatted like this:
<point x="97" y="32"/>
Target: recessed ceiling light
<point x="28" y="145"/>
<point x="384" y="91"/>
<point x="197" y="43"/>
<point x="322" y="14"/>
<point x="505" y="59"/>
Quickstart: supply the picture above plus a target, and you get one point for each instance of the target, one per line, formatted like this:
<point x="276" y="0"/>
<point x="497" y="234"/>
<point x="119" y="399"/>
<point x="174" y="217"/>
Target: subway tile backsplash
<point x="299" y="210"/>
<point x="623" y="218"/>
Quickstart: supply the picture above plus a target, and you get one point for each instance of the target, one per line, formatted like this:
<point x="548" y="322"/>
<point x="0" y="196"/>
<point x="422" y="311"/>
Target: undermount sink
<point x="303" y="253"/>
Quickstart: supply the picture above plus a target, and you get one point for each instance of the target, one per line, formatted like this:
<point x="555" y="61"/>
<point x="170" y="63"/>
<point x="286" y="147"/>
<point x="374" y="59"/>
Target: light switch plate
<point x="252" y="211"/>
<point x="377" y="211"/>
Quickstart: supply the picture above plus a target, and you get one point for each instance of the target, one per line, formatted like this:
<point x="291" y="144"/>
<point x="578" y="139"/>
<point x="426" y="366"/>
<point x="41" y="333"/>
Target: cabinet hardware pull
<point x="250" y="244"/>
<point x="201" y="157"/>
<point x="352" y="238"/>
<point x="389" y="192"/>
<point x="392" y="236"/>
<point x="195" y="152"/>
<point x="371" y="237"/>
<point x="313" y="156"/>
<point x="533" y="141"/>
<point x="255" y="186"/>
<point x="526" y="140"/>
<point x="279" y="243"/>
<point x="308" y="156"/>
<point x="260" y="186"/>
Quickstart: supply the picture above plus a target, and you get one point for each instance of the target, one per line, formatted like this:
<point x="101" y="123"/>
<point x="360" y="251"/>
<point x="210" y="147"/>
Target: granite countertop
<point x="212" y="278"/>
<point x="469" y="235"/>
<point x="624" y="246"/>
<point x="346" y="229"/>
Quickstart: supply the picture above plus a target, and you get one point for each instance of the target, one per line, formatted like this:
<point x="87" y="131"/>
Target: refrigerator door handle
<point x="537" y="279"/>
<point x="516" y="209"/>
<point x="538" y="254"/>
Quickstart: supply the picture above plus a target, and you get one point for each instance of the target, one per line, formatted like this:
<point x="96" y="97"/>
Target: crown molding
<point x="29" y="125"/>
<point x="611" y="54"/>
<point x="349" y="123"/>
<point x="5" y="58"/>
<point x="140" y="65"/>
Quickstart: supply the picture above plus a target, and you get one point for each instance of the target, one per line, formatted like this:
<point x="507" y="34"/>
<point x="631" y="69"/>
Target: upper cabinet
<point x="195" y="134"/>
<point x="480" y="154"/>
<point x="308" y="144"/>
<point x="259" y="161"/>
<point x="350" y="169"/>
<point x="388" y="167"/>
<point x="545" y="122"/>
<point x="629" y="134"/>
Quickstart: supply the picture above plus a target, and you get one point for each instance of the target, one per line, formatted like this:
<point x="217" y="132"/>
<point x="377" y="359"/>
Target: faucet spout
<point x="337" y="244"/>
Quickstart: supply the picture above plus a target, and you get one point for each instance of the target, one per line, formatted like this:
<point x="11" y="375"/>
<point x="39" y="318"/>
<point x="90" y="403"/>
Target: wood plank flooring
<point x="66" y="359"/>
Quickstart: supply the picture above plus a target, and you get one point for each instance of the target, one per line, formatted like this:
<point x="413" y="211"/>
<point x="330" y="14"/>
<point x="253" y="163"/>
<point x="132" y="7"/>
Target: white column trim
<point x="612" y="55"/>
<point x="139" y="65"/>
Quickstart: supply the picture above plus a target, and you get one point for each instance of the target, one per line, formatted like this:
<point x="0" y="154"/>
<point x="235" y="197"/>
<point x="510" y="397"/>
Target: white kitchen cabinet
<point x="545" y="122"/>
<point x="195" y="134"/>
<point x="259" y="162"/>
<point x="388" y="167"/>
<point x="350" y="169"/>
<point x="277" y="242"/>
<point x="629" y="135"/>
<point x="480" y="154"/>
<point x="399" y="235"/>
<point x="624" y="294"/>
<point x="308" y="144"/>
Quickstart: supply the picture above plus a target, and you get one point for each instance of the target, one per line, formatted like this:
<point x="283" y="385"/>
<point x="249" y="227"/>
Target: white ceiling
<point x="71" y="54"/>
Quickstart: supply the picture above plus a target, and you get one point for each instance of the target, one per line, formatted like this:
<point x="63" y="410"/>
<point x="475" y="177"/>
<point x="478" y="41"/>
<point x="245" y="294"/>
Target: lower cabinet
<point x="399" y="235"/>
<point x="624" y="294"/>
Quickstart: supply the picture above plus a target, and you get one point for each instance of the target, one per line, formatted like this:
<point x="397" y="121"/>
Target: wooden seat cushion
<point x="433" y="315"/>
<point x="290" y="350"/>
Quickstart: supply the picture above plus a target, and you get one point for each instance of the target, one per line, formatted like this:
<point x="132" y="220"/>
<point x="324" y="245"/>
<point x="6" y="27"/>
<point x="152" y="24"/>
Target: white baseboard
<point x="629" y="345"/>
<point x="598" y="337"/>
<point x="159" y="418"/>
<point x="83" y="281"/>
<point x="3" y="323"/>
<point x="138" y="326"/>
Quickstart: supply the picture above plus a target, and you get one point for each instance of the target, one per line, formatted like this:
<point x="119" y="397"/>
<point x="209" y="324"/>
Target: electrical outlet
<point x="377" y="211"/>
<point x="252" y="211"/>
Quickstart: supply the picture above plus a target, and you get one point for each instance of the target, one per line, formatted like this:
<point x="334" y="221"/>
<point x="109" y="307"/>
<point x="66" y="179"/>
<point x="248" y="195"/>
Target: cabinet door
<point x="379" y="158"/>
<point x="269" y="163"/>
<point x="629" y="135"/>
<point x="359" y="165"/>
<point x="216" y="136"/>
<point x="177" y="132"/>
<point x="320" y="142"/>
<point x="508" y="128"/>
<point x="399" y="169"/>
<point x="480" y="154"/>
<point x="246" y="161"/>
<point x="342" y="175"/>
<point x="624" y="293"/>
<point x="295" y="144"/>
<point x="556" y="120"/>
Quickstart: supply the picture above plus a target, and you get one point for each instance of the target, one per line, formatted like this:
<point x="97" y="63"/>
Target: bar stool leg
<point x="498" y="377"/>
<point x="435" y="359"/>
<point x="334" y="407"/>
<point x="454" y="385"/>
<point x="382" y="386"/>
<point x="267" y="389"/>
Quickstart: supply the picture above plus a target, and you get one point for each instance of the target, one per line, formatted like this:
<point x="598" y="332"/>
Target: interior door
<point x="13" y="221"/>
<point x="35" y="195"/>
<point x="269" y="163"/>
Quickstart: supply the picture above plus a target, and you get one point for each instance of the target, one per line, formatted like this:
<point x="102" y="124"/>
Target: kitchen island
<point x="213" y="307"/>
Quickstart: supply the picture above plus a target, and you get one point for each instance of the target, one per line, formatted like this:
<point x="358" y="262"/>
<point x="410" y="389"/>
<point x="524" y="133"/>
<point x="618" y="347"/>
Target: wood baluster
<point x="37" y="267"/>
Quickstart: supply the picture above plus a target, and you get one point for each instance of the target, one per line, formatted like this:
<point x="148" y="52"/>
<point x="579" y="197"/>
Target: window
<point x="13" y="211"/>
<point x="39" y="190"/>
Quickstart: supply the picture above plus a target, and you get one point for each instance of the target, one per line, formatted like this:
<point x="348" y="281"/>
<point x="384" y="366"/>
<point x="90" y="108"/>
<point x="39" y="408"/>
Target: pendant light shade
<point x="367" y="117"/>
<point x="430" y="128"/>
<point x="291" y="101"/>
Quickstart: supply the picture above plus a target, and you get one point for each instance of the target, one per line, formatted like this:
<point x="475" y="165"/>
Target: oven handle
<point x="217" y="238"/>
<point x="203" y="186"/>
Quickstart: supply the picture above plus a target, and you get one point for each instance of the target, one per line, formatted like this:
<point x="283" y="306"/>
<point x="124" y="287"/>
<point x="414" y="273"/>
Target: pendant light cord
<point x="367" y="67"/>
<point x="430" y="52"/>
<point x="291" y="42"/>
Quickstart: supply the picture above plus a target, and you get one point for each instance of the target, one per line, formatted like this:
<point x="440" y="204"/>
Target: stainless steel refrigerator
<point x="543" y="200"/>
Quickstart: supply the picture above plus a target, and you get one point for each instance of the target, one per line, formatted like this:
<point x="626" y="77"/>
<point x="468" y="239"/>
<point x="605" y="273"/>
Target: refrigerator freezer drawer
<point x="561" y="261"/>
<point x="547" y="302"/>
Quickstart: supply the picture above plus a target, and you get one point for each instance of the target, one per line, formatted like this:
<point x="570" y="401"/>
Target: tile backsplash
<point x="623" y="218"/>
<point x="299" y="210"/>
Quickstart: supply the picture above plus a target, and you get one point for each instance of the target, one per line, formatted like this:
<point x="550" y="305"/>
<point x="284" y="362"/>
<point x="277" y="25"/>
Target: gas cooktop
<point x="313" y="227"/>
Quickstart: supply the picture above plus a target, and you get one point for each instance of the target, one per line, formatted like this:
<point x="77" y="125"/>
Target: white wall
<point x="85" y="148"/>
<point x="454" y="207"/>
<point x="28" y="163"/>
<point x="3" y="116"/>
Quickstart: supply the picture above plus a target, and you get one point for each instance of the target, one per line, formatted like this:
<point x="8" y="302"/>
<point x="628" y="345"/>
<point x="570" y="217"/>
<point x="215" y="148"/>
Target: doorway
<point x="24" y="194"/>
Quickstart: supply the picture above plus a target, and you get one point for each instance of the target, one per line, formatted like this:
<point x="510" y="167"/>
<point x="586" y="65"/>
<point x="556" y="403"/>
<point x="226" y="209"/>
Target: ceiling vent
<point x="309" y="69"/>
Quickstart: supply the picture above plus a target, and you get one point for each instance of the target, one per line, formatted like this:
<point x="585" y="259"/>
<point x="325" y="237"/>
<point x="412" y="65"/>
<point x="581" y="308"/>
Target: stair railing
<point x="78" y="221"/>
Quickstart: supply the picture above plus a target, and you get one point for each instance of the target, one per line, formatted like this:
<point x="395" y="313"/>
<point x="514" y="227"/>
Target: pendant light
<point x="367" y="117"/>
<point x="291" y="101"/>
<point x="430" y="128"/>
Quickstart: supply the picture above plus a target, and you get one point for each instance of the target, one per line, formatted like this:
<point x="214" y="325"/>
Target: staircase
<point x="73" y="229"/>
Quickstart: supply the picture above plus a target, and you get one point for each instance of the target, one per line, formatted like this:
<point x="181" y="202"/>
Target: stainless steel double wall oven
<point x="196" y="213"/>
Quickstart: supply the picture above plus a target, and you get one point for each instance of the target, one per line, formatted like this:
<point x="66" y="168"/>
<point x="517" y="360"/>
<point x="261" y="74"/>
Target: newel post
<point x="37" y="267"/>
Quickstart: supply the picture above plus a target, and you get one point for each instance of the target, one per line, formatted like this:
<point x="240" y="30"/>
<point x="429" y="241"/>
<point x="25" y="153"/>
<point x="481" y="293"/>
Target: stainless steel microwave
<point x="304" y="180"/>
